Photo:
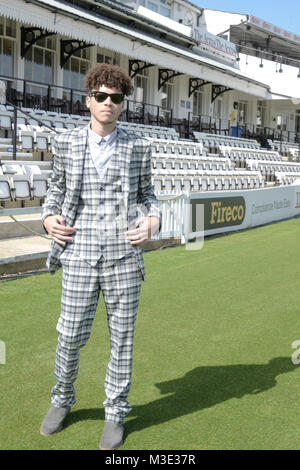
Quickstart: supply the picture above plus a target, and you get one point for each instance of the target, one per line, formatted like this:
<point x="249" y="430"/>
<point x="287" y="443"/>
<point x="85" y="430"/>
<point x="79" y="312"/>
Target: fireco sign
<point x="222" y="211"/>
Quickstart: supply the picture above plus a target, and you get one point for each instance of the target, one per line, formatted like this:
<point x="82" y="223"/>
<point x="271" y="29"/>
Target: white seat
<point x="5" y="120"/>
<point x="187" y="183"/>
<point x="168" y="183"/>
<point x="13" y="169"/>
<point x="177" y="183"/>
<point x="204" y="183"/>
<point x="41" y="138"/>
<point x="39" y="185"/>
<point x="196" y="183"/>
<point x="5" y="193"/>
<point x="212" y="184"/>
<point x="58" y="123"/>
<point x="233" y="183"/>
<point x="157" y="183"/>
<point x="25" y="137"/>
<point x="219" y="185"/>
<point x="20" y="187"/>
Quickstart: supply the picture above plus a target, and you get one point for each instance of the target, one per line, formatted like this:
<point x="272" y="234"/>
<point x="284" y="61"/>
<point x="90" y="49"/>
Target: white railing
<point x="172" y="209"/>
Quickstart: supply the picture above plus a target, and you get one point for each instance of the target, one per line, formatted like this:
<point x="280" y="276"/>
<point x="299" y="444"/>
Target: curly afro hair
<point x="108" y="75"/>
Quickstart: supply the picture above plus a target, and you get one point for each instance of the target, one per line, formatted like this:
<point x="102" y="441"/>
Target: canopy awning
<point x="78" y="24"/>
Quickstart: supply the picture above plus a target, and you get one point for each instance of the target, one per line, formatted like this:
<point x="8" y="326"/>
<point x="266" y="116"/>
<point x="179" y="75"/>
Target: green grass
<point x="212" y="353"/>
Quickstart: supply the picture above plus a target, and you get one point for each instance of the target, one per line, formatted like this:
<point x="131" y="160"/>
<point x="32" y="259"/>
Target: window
<point x="39" y="61"/>
<point x="297" y="121"/>
<point x="6" y="56"/>
<point x="140" y="87"/>
<point x="166" y="93"/>
<point x="281" y="122"/>
<point x="76" y="68"/>
<point x="197" y="102"/>
<point x="242" y="111"/>
<point x="218" y="107"/>
<point x="163" y="7"/>
<point x="153" y="6"/>
<point x="7" y="28"/>
<point x="107" y="57"/>
<point x="261" y="113"/>
<point x="7" y="42"/>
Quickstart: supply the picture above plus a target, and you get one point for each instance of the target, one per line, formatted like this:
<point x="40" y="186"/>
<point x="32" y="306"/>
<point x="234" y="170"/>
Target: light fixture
<point x="280" y="69"/>
<point x="261" y="63"/>
<point x="299" y="72"/>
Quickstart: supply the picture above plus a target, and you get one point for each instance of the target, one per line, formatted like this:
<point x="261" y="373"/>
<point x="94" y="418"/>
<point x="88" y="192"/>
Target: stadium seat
<point x="20" y="187"/>
<point x="5" y="193"/>
<point x="25" y="137"/>
<point x="5" y="120"/>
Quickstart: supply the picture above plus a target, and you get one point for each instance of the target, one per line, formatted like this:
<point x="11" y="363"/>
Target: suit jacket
<point x="68" y="157"/>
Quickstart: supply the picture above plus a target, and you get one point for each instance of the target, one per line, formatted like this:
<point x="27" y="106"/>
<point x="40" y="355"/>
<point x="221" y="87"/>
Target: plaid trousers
<point x="120" y="283"/>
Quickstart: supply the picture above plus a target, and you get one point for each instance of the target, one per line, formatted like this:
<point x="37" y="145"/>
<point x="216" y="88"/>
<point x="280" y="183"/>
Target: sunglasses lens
<point x="117" y="98"/>
<point x="101" y="96"/>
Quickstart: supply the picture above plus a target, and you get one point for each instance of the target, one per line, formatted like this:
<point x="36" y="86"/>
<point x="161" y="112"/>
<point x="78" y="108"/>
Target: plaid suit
<point x="96" y="261"/>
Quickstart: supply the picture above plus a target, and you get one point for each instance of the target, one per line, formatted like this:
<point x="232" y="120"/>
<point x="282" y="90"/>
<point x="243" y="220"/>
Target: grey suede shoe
<point x="53" y="421"/>
<point x="112" y="436"/>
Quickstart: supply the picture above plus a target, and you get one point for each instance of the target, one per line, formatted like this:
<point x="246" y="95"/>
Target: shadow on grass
<point x="205" y="387"/>
<point x="200" y="388"/>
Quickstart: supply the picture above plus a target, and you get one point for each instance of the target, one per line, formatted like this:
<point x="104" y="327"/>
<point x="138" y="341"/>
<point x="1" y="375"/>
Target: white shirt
<point x="102" y="149"/>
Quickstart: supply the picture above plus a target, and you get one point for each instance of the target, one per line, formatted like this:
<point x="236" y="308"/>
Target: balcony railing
<point x="222" y="126"/>
<point x="36" y="95"/>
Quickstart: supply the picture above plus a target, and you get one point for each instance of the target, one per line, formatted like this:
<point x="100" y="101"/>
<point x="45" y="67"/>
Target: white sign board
<point x="226" y="211"/>
<point x="215" y="44"/>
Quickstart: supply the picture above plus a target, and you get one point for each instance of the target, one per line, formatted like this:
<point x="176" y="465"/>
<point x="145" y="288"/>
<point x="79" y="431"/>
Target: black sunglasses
<point x="101" y="96"/>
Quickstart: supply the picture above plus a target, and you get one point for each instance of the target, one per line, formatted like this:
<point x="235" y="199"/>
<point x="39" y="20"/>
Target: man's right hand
<point x="57" y="229"/>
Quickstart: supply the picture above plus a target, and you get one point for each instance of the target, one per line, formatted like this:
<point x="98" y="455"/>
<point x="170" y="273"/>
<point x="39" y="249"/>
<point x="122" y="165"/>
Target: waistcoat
<point x="101" y="219"/>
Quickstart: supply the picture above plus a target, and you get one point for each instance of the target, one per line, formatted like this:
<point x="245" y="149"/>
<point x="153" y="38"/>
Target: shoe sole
<point x="51" y="434"/>
<point x="114" y="448"/>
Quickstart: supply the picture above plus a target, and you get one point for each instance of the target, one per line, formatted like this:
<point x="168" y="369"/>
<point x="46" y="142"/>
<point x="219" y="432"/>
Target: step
<point x="11" y="229"/>
<point x="213" y="155"/>
<point x="7" y="147"/>
<point x="5" y="141"/>
<point x="9" y="155"/>
<point x="23" y="254"/>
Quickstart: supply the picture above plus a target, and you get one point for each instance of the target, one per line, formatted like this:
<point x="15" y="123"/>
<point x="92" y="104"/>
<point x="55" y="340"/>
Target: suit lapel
<point x="79" y="148"/>
<point x="124" y="147"/>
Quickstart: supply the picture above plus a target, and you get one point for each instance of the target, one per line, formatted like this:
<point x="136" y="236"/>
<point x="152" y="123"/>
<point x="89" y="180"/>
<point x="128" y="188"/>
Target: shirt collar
<point x="108" y="139"/>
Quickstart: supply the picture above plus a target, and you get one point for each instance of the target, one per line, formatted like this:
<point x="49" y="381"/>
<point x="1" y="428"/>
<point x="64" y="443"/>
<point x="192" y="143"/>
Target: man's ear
<point x="87" y="101"/>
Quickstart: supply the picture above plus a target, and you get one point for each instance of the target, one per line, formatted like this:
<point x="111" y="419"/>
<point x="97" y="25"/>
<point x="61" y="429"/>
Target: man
<point x="100" y="208"/>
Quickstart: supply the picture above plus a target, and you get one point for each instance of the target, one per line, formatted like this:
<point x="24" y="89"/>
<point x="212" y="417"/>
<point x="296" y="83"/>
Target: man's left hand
<point x="145" y="227"/>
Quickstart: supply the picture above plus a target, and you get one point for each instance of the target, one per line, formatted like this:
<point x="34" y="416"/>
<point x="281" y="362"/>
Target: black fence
<point x="36" y="95"/>
<point x="222" y="126"/>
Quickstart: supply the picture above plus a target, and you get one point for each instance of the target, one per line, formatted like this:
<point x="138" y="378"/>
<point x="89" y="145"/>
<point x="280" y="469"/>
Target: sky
<point x="285" y="14"/>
